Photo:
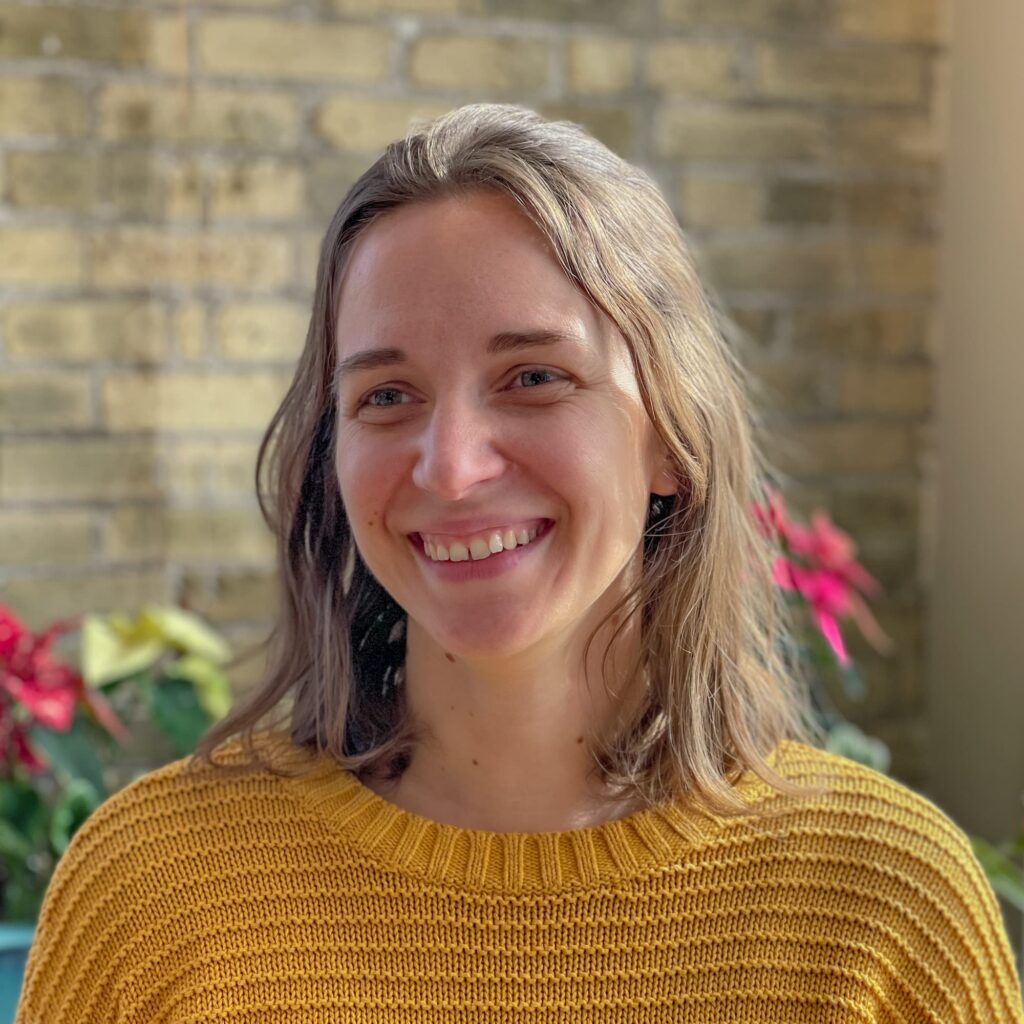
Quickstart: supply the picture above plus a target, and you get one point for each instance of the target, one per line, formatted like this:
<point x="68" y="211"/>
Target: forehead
<point x="475" y="259"/>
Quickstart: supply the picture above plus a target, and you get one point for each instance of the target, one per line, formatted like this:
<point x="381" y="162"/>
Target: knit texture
<point x="205" y="898"/>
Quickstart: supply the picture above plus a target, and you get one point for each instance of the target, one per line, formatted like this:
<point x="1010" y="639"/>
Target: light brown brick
<point x="830" y="73"/>
<point x="278" y="48"/>
<point x="149" y="112"/>
<point x="907" y="21"/>
<point x="887" y="204"/>
<point x="232" y="594"/>
<point x="36" y="256"/>
<point x="720" y="202"/>
<point x="369" y="123"/>
<point x="496" y="65"/>
<point x="615" y="126"/>
<point x="842" y="447"/>
<point x="365" y="7"/>
<point x="801" y="202"/>
<point x="793" y="266"/>
<point x="902" y="267"/>
<point x="42" y="537"/>
<point x="688" y="133"/>
<point x="69" y="33"/>
<point x="687" y="68"/>
<point x="887" y="333"/>
<point x="247" y="668"/>
<point x="59" y="180"/>
<point x="45" y="400"/>
<point x="789" y="387"/>
<point x="41" y="107"/>
<point x="132" y="184"/>
<point x="221" y="535"/>
<point x="626" y="16"/>
<point x="748" y="15"/>
<point x="83" y="331"/>
<point x="264" y="189"/>
<point x="885" y="139"/>
<point x="144" y="257"/>
<point x="184" y="190"/>
<point x="73" y="469"/>
<point x="878" y="507"/>
<point x="212" y="467"/>
<point x="261" y="331"/>
<point x="309" y="255"/>
<point x="600" y="65"/>
<point x="45" y="597"/>
<point x="192" y="401"/>
<point x="189" y="323"/>
<point x="166" y="48"/>
<point x="328" y="179"/>
<point x="873" y="390"/>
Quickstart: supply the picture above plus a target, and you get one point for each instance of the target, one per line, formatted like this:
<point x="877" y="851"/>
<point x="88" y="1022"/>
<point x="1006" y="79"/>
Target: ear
<point x="665" y="483"/>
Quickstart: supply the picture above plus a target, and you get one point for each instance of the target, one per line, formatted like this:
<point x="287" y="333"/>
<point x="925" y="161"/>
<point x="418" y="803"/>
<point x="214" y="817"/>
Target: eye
<point x="537" y="371"/>
<point x="369" y="399"/>
<point x="387" y="401"/>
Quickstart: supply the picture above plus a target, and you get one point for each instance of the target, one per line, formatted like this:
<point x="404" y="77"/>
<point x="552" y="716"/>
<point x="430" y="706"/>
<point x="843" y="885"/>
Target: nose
<point x="456" y="451"/>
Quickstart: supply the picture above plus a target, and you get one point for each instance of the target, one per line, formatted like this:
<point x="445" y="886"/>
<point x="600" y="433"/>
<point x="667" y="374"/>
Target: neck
<point x="505" y="745"/>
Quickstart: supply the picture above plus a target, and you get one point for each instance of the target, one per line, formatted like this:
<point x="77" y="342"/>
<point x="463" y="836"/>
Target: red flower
<point x="36" y="680"/>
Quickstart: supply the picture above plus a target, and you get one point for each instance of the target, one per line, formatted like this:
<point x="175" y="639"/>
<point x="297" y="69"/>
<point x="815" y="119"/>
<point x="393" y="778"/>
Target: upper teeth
<point x="482" y="545"/>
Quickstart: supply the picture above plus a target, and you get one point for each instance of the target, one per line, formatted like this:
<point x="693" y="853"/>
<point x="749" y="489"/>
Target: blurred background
<point x="848" y="172"/>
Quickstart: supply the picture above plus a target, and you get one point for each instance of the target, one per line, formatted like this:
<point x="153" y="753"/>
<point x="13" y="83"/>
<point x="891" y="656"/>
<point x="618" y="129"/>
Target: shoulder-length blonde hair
<point x="723" y="692"/>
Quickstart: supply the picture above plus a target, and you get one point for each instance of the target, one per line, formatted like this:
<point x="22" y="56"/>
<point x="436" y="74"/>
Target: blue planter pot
<point x="15" y="939"/>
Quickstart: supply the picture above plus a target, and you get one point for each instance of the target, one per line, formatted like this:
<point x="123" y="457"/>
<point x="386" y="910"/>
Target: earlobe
<point x="665" y="484"/>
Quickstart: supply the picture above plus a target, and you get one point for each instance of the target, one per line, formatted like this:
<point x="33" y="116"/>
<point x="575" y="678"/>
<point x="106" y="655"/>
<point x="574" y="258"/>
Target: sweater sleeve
<point x="91" y="910"/>
<point x="973" y="930"/>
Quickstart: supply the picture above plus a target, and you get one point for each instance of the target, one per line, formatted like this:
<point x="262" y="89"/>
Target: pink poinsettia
<point x="33" y="678"/>
<point x="818" y="563"/>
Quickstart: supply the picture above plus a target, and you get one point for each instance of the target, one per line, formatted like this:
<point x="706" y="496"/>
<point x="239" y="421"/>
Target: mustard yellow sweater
<point x="258" y="899"/>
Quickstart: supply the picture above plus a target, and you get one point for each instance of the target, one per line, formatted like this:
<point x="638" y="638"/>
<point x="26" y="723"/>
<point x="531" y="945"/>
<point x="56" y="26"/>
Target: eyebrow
<point x="504" y="341"/>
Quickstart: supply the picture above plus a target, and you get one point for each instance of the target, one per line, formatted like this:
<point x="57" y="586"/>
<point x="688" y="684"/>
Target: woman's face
<point x="461" y="420"/>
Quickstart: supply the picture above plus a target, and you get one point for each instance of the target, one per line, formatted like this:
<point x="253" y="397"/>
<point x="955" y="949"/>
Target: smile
<point x="478" y="558"/>
<point x="477" y="547"/>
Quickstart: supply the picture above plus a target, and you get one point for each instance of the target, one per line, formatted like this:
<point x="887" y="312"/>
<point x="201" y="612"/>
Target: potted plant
<point x="61" y="731"/>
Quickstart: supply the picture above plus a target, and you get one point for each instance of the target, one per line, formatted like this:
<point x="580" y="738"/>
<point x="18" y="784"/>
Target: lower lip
<point x="484" y="568"/>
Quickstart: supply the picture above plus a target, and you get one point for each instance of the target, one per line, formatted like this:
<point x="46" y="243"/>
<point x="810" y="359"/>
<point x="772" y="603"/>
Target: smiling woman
<point x="536" y="752"/>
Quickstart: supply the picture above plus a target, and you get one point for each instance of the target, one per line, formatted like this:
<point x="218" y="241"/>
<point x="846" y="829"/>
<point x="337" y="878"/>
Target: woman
<point x="541" y="757"/>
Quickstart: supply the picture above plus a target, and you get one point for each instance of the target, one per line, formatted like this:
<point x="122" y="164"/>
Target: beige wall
<point x="976" y="678"/>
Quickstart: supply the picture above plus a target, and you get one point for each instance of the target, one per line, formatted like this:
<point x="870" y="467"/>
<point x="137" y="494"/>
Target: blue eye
<point x="381" y="391"/>
<point x="535" y="372"/>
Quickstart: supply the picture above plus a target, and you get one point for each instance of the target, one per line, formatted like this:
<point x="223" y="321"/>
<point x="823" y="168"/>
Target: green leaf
<point x="1006" y="878"/>
<point x="79" y="799"/>
<point x="12" y="842"/>
<point x="849" y="741"/>
<point x="23" y="809"/>
<point x="178" y="714"/>
<point x="186" y="631"/>
<point x="111" y="650"/>
<point x="72" y="754"/>
<point x="211" y="685"/>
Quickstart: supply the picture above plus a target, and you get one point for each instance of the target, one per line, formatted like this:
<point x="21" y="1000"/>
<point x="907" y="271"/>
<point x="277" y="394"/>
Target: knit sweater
<point x="208" y="898"/>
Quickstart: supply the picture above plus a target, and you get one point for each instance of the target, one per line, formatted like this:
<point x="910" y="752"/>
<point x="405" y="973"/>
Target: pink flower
<point x="818" y="563"/>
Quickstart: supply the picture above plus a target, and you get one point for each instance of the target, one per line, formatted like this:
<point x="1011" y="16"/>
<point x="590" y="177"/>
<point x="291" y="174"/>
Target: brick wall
<point x="167" y="170"/>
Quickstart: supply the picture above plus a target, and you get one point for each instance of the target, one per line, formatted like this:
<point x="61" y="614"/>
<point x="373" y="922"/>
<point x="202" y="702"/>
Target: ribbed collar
<point x="643" y="842"/>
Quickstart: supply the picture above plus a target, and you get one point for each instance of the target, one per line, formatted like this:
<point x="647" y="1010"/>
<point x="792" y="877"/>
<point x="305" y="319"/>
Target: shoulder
<point x="140" y="861"/>
<point x="891" y="866"/>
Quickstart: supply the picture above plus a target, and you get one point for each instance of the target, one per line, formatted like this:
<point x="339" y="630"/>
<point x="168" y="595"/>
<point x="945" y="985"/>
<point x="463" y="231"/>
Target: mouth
<point x="482" y="563"/>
